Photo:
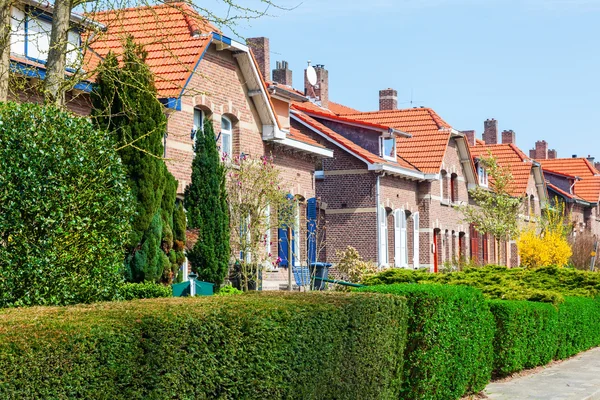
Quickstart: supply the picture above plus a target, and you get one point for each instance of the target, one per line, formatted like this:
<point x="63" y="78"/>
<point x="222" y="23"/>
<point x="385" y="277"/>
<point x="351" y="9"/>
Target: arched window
<point x="383" y="237"/>
<point x="198" y="124"/>
<point x="400" y="240"/>
<point x="444" y="186"/>
<point x="226" y="136"/>
<point x="454" y="188"/>
<point x="532" y="202"/>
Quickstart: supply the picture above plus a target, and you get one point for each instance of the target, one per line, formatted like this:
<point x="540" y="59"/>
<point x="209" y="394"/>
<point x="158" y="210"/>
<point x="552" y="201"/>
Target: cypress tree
<point x="206" y="205"/>
<point x="125" y="104"/>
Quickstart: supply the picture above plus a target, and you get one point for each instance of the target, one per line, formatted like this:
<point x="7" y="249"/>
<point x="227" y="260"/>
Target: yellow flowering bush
<point x="548" y="245"/>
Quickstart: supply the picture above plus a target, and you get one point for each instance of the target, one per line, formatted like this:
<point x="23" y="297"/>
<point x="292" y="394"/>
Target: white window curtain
<point x="383" y="238"/>
<point x="416" y="263"/>
<point x="226" y="135"/>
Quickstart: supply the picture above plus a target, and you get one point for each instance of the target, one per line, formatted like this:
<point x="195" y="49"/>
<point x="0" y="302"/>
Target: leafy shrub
<point x="545" y="284"/>
<point x="304" y="346"/>
<point x="449" y="345"/>
<point x="578" y="326"/>
<point x="526" y="335"/>
<point x="64" y="207"/>
<point x="229" y="290"/>
<point x="146" y="290"/>
<point x="352" y="266"/>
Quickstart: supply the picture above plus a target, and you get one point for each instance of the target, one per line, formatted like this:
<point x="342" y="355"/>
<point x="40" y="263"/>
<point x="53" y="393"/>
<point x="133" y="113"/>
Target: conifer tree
<point x="206" y="206"/>
<point x="125" y="104"/>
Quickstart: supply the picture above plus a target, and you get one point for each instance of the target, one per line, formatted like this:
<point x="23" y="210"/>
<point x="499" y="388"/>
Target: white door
<point x="383" y="238"/>
<point x="400" y="240"/>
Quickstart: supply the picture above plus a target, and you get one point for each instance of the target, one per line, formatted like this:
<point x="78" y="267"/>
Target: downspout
<point x="378" y="208"/>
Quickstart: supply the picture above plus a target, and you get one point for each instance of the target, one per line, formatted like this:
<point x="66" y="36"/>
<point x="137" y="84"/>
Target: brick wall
<point x="76" y="101"/>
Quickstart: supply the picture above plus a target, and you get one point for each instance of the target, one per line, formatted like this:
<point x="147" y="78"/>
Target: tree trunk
<point x="5" y="12"/>
<point x="54" y="91"/>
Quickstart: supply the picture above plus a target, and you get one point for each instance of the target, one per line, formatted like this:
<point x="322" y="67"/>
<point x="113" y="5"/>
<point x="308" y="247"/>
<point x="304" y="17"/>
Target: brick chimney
<point x="597" y="165"/>
<point x="388" y="99"/>
<point x="532" y="153"/>
<point x="320" y="91"/>
<point x="552" y="154"/>
<point x="260" y="48"/>
<point x="541" y="150"/>
<point x="509" y="137"/>
<point x="591" y="159"/>
<point x="490" y="131"/>
<point x="282" y="74"/>
<point x="470" y="135"/>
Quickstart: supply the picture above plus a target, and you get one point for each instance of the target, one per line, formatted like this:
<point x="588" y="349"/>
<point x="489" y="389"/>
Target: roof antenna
<point x="411" y="96"/>
<point x="311" y="78"/>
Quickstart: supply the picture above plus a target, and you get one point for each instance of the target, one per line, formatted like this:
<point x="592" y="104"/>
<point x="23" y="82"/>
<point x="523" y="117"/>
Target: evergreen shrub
<point x="449" y="342"/>
<point x="578" y="326"/>
<point x="145" y="290"/>
<point x="263" y="346"/>
<point x="526" y="335"/>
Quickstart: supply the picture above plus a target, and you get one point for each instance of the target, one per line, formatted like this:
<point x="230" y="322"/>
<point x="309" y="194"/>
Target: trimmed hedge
<point x="526" y="335"/>
<point x="145" y="290"/>
<point x="279" y="346"/>
<point x="449" y="345"/>
<point x="578" y="326"/>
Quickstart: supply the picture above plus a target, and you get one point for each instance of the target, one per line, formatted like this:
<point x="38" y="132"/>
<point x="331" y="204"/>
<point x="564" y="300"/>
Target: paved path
<point x="574" y="379"/>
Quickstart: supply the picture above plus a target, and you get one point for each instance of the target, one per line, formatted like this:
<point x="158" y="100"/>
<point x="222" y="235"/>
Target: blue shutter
<point x="311" y="230"/>
<point x="283" y="246"/>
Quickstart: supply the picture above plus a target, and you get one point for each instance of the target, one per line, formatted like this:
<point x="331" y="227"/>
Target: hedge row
<point x="280" y="346"/>
<point x="449" y="347"/>
<point x="144" y="290"/>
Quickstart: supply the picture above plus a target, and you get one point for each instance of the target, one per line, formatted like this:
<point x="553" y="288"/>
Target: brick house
<point x="201" y="74"/>
<point x="575" y="182"/>
<point x="31" y="24"/>
<point x="528" y="181"/>
<point x="395" y="181"/>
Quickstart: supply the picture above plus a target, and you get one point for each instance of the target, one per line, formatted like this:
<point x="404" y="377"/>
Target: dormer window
<point x="388" y="147"/>
<point x="483" y="176"/>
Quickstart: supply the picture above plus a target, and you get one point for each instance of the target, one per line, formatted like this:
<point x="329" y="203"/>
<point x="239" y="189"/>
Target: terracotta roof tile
<point x="559" y="190"/>
<point x="430" y="134"/>
<point x="580" y="167"/>
<point x="511" y="157"/>
<point x="173" y="34"/>
<point x="340" y="109"/>
<point x="298" y="135"/>
<point x="589" y="189"/>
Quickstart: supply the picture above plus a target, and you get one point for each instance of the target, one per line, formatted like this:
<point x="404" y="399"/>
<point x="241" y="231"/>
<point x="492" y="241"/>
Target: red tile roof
<point x="173" y="34"/>
<point x="341" y="109"/>
<point x="430" y="134"/>
<point x="511" y="157"/>
<point x="589" y="189"/>
<point x="297" y="134"/>
<point x="580" y="167"/>
<point x="348" y="144"/>
<point x="559" y="190"/>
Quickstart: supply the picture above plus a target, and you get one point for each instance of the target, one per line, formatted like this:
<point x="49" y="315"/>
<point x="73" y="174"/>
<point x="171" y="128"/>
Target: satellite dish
<point x="311" y="75"/>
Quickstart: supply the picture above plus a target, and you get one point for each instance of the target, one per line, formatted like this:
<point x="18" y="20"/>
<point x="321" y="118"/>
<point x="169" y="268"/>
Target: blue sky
<point x="532" y="64"/>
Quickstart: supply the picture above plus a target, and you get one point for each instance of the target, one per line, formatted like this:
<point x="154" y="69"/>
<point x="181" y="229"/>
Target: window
<point x="454" y="188"/>
<point x="388" y="147"/>
<point x="383" y="237"/>
<point x="226" y="134"/>
<point x="482" y="173"/>
<point x="198" y="126"/>
<point x="17" y="24"/>
<point x="400" y="240"/>
<point x="416" y="249"/>
<point x="73" y="49"/>
<point x="296" y="236"/>
<point x="444" y="193"/>
<point x="38" y="38"/>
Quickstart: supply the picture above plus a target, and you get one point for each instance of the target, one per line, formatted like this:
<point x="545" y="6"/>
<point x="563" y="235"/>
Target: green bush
<point x="64" y="207"/>
<point x="146" y="290"/>
<point x="228" y="290"/>
<point x="526" y="335"/>
<point x="276" y="346"/>
<point x="578" y="326"/>
<point x="449" y="345"/>
<point x="546" y="284"/>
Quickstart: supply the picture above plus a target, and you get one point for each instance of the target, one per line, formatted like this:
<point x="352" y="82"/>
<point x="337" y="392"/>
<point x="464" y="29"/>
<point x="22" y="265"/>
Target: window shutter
<point x="311" y="230"/>
<point x="398" y="254"/>
<point x="416" y="248"/>
<point x="283" y="246"/>
<point x="403" y="239"/>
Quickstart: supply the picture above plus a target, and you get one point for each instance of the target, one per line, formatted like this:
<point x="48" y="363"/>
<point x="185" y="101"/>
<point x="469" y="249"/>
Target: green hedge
<point x="449" y="345"/>
<point x="578" y="326"/>
<point x="145" y="290"/>
<point x="546" y="284"/>
<point x="277" y="346"/>
<point x="526" y="335"/>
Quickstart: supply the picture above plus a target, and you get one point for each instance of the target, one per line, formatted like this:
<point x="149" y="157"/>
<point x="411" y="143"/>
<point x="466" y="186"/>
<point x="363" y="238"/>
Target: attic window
<point x="388" y="147"/>
<point x="483" y="176"/>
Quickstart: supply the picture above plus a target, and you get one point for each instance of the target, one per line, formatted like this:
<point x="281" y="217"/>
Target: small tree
<point x="256" y="205"/>
<point x="125" y="104"/>
<point x="206" y="204"/>
<point x="65" y="209"/>
<point x="496" y="211"/>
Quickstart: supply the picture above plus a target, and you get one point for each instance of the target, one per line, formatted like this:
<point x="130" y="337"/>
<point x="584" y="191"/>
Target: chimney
<point x="591" y="159"/>
<point x="388" y="99"/>
<point x="541" y="150"/>
<point x="282" y="74"/>
<point x="470" y="135"/>
<point x="508" y="137"/>
<point x="490" y="131"/>
<point x="597" y="165"/>
<point x="574" y="156"/>
<point x="260" y="48"/>
<point x="320" y="91"/>
<point x="532" y="153"/>
<point x="552" y="154"/>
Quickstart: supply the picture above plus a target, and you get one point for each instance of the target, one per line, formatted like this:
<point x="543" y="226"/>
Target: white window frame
<point x="17" y="24"/>
<point x="383" y="237"/>
<point x="416" y="250"/>
<point x="229" y="134"/>
<point x="198" y="125"/>
<point x="400" y="239"/>
<point x="482" y="175"/>
<point x="382" y="140"/>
